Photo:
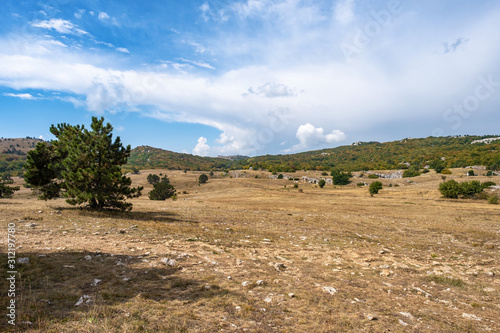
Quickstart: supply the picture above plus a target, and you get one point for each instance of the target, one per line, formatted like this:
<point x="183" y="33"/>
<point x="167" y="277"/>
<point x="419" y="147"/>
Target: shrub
<point x="489" y="173"/>
<point x="470" y="173"/>
<point x="375" y="187"/>
<point x="153" y="179"/>
<point x="321" y="183"/>
<point x="295" y="185"/>
<point x="340" y="178"/>
<point x="7" y="191"/>
<point x="324" y="173"/>
<point x="446" y="172"/>
<point x="488" y="184"/>
<point x="162" y="190"/>
<point x="412" y="171"/>
<point x="425" y="171"/>
<point x="202" y="179"/>
<point x="493" y="200"/>
<point x="280" y="176"/>
<point x="372" y="176"/>
<point x="450" y="189"/>
<point x="360" y="184"/>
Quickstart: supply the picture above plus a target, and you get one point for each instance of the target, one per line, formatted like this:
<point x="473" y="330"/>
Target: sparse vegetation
<point x="375" y="187"/>
<point x="412" y="171"/>
<point x="202" y="179"/>
<point x="493" y="200"/>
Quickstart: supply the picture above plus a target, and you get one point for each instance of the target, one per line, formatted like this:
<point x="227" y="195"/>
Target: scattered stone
<point x="371" y="317"/>
<point x="229" y="278"/>
<point x="40" y="211"/>
<point x="330" y="290"/>
<point x="291" y="295"/>
<point x="402" y="322"/>
<point x="488" y="289"/>
<point x="41" y="255"/>
<point x="96" y="282"/>
<point x="87" y="257"/>
<point x="69" y="266"/>
<point x="268" y="300"/>
<point x="168" y="262"/>
<point x="85" y="298"/>
<point x="30" y="225"/>
<point x="490" y="273"/>
<point x="24" y="260"/>
<point x="238" y="262"/>
<point x="407" y="315"/>
<point x="259" y="282"/>
<point x="245" y="283"/>
<point x="471" y="316"/>
<point x="123" y="231"/>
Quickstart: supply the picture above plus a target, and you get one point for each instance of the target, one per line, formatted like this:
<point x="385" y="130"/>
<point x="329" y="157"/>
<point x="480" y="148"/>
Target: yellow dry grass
<point x="253" y="255"/>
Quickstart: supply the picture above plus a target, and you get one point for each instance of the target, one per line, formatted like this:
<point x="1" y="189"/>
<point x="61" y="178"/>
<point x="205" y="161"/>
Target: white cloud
<point x="79" y="13"/>
<point x="103" y="16"/>
<point x="312" y="137"/>
<point x="59" y="25"/>
<point x="344" y="11"/>
<point x="21" y="96"/>
<point x="459" y="43"/>
<point x="201" y="148"/>
<point x="198" y="63"/>
<point x="122" y="50"/>
<point x="41" y="137"/>
<point x="273" y="89"/>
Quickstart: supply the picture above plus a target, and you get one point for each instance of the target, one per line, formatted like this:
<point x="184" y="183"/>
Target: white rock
<point x="24" y="260"/>
<point x="96" y="282"/>
<point x="291" y="295"/>
<point x="259" y="282"/>
<point x="87" y="257"/>
<point x="371" y="317"/>
<point x="268" y="300"/>
<point x="471" y="316"/>
<point x="168" y="262"/>
<point x="330" y="290"/>
<point x="245" y="283"/>
<point x="402" y="322"/>
<point x="85" y="298"/>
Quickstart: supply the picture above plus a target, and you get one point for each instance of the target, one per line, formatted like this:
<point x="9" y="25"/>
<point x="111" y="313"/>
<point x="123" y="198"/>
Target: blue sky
<point x="251" y="77"/>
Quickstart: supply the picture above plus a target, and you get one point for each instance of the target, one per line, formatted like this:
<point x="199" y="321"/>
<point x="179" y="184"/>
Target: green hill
<point x="144" y="157"/>
<point x="455" y="151"/>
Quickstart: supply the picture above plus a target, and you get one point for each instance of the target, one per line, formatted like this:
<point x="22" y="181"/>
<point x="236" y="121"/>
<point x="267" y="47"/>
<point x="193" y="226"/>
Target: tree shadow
<point x="49" y="286"/>
<point x="164" y="216"/>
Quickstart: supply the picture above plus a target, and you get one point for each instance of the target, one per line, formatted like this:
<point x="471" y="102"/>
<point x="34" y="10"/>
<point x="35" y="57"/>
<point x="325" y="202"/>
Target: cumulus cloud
<point x="201" y="148"/>
<point x="59" y="25"/>
<point x="312" y="137"/>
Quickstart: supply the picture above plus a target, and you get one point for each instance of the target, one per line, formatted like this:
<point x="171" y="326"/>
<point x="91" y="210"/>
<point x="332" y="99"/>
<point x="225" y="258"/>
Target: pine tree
<point x="82" y="165"/>
<point x="7" y="191"/>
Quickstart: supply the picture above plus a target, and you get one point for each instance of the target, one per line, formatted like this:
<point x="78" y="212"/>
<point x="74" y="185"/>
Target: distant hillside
<point x="143" y="157"/>
<point x="13" y="153"/>
<point x="455" y="151"/>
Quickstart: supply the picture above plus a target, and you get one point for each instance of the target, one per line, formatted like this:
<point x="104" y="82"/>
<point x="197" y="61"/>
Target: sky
<point x="251" y="77"/>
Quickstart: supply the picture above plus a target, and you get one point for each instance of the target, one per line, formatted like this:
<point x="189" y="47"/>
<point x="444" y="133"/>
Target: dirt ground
<point x="242" y="253"/>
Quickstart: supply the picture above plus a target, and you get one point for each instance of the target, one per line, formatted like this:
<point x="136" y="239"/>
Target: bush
<point x="202" y="179"/>
<point x="425" y="171"/>
<point x="372" y="176"/>
<point x="489" y="173"/>
<point x="321" y="183"/>
<point x="412" y="171"/>
<point x="7" y="191"/>
<point x="153" y="179"/>
<point x="375" y="187"/>
<point x="470" y="173"/>
<point x="340" y="178"/>
<point x="451" y="189"/>
<point x="360" y="184"/>
<point x="162" y="190"/>
<point x="295" y="185"/>
<point x="280" y="176"/>
<point x="446" y="172"/>
<point x="493" y="200"/>
<point x="488" y="184"/>
<point x="324" y="173"/>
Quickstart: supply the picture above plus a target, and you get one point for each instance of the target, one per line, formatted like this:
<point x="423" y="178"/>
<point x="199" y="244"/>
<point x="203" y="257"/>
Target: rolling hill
<point x="459" y="151"/>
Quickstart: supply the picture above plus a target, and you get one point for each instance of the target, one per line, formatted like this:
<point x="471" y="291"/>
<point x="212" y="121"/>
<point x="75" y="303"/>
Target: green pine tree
<point x="83" y="166"/>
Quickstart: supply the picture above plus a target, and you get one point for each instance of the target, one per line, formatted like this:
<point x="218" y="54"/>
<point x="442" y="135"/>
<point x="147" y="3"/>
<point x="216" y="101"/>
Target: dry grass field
<point x="252" y="255"/>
